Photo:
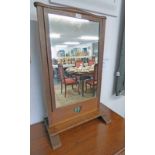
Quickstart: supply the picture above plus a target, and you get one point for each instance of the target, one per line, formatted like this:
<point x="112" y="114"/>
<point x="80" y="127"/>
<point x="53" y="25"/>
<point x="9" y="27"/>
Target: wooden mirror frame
<point x="63" y="118"/>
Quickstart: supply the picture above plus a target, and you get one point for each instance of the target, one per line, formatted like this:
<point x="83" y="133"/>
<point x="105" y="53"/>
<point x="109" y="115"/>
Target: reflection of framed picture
<point x="85" y="51"/>
<point x="73" y="51"/>
<point x="61" y="53"/>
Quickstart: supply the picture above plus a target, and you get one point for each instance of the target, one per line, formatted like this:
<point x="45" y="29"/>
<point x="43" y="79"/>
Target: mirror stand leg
<point x="55" y="141"/>
<point x="105" y="119"/>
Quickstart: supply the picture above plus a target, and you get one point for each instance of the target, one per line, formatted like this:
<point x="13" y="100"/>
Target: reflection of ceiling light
<point x="54" y="35"/>
<point x="71" y="43"/>
<point x="61" y="46"/>
<point x="89" y="38"/>
<point x="69" y="19"/>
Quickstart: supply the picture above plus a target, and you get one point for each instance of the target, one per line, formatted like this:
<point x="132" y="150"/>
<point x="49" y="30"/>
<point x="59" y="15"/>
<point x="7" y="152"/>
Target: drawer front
<point x="74" y="110"/>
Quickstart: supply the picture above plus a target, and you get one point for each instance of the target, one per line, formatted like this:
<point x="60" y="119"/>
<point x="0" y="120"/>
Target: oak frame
<point x="63" y="118"/>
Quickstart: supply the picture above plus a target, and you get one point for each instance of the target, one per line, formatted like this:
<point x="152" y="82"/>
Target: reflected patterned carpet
<point x="72" y="95"/>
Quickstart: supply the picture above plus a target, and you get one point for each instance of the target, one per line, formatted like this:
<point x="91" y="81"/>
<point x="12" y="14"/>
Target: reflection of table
<point x="64" y="65"/>
<point x="82" y="76"/>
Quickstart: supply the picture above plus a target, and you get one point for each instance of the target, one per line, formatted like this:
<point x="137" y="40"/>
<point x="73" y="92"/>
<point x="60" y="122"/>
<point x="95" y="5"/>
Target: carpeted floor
<point x="72" y="95"/>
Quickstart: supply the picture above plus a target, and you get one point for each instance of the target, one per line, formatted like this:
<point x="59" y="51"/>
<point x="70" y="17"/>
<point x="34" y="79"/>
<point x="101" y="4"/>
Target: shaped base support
<point x="105" y="119"/>
<point x="55" y="141"/>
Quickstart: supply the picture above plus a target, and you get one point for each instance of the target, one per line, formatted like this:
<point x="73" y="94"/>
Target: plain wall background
<point x="36" y="93"/>
<point x="113" y="38"/>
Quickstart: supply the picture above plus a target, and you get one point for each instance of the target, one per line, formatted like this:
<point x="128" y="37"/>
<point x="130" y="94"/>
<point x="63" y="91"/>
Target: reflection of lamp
<point x="55" y="35"/>
<point x="89" y="38"/>
<point x="71" y="43"/>
<point x="61" y="46"/>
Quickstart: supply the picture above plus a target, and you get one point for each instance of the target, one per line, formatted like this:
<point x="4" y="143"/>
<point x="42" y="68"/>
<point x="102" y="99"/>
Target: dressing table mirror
<point x="72" y="45"/>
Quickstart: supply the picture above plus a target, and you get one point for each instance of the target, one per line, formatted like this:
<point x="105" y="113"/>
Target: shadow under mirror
<point x="74" y="51"/>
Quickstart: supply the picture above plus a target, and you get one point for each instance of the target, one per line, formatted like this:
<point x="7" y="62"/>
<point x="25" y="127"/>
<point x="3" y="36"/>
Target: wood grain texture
<point x="66" y="113"/>
<point x="73" y="123"/>
<point x="66" y="8"/>
<point x="92" y="138"/>
<point x="45" y="71"/>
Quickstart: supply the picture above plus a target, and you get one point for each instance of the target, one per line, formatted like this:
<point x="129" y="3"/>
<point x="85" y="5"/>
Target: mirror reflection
<point x="74" y="54"/>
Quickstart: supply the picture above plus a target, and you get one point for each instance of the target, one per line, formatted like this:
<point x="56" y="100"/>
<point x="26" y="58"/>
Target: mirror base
<point x="54" y="131"/>
<point x="55" y="141"/>
<point x="105" y="119"/>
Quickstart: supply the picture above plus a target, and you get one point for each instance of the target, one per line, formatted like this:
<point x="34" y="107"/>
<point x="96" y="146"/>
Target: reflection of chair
<point x="66" y="80"/>
<point x="93" y="82"/>
<point x="91" y="62"/>
<point x="78" y="63"/>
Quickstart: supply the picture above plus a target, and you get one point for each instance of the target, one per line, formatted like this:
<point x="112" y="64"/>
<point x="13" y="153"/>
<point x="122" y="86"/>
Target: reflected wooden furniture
<point x="82" y="76"/>
<point x="66" y="81"/>
<point x="78" y="63"/>
<point x="91" y="138"/>
<point x="91" y="62"/>
<point x="64" y="65"/>
<point x="93" y="82"/>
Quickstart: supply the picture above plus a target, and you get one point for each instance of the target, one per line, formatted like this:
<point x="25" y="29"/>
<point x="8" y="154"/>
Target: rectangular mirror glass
<point x="74" y="54"/>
